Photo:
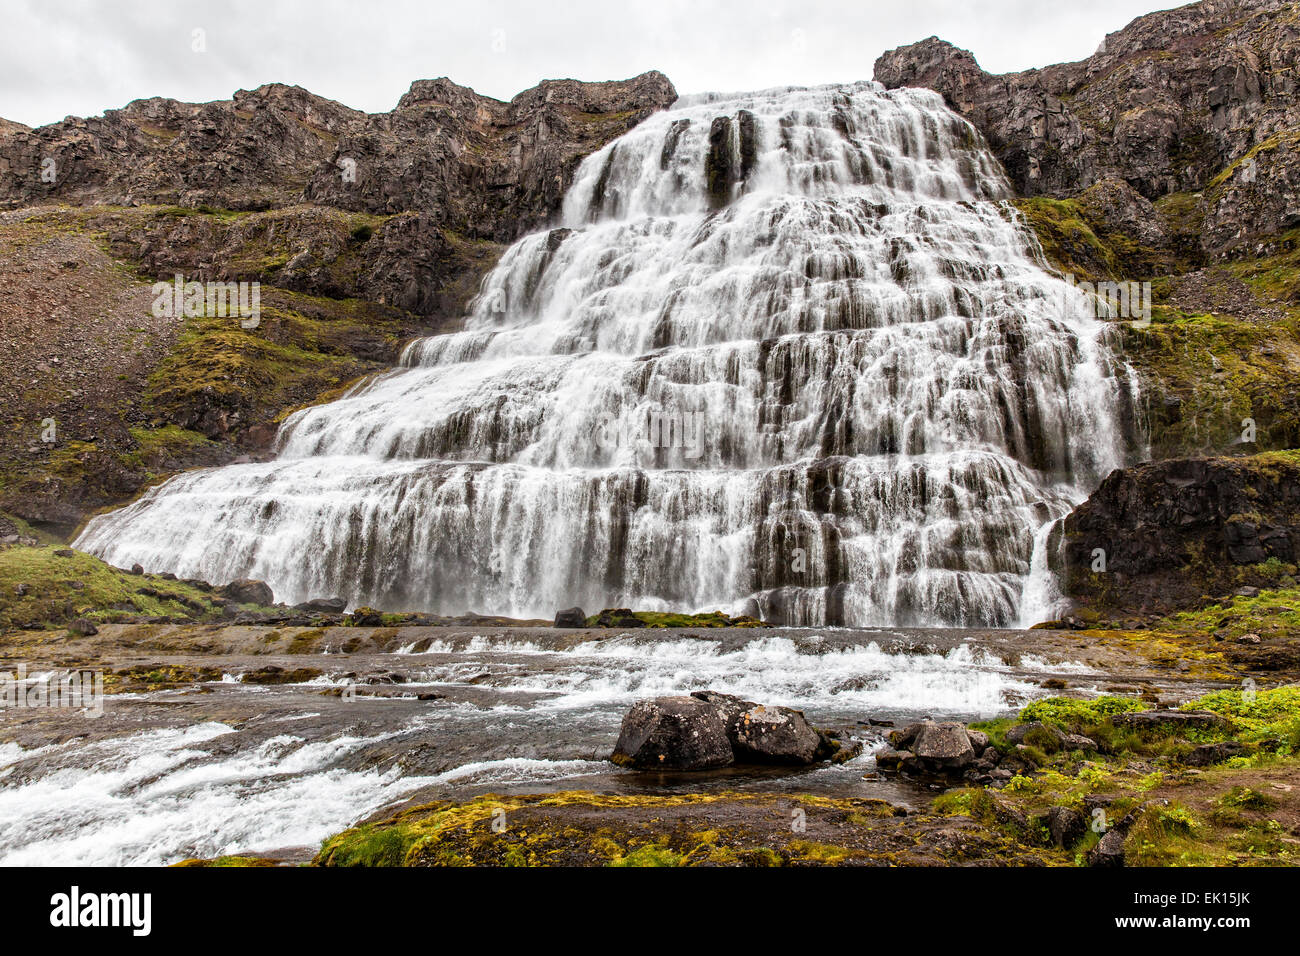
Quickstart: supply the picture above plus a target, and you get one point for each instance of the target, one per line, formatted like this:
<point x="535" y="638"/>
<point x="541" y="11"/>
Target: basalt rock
<point x="249" y="591"/>
<point x="1196" y="100"/>
<point x="672" y="733"/>
<point x="1172" y="531"/>
<point x="931" y="748"/>
<point x="571" y="617"/>
<point x="489" y="169"/>
<point x="764" y="734"/>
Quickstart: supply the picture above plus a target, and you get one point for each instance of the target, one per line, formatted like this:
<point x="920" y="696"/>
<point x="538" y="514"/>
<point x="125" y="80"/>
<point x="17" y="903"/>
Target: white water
<point x="882" y="397"/>
<point x="158" y="796"/>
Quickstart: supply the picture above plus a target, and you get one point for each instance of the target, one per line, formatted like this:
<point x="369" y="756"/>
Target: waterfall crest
<point x="790" y="353"/>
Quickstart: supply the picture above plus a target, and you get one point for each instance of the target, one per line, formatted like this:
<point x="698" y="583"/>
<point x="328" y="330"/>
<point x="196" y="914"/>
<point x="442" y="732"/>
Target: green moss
<point x="1203" y="375"/>
<point x="60" y="589"/>
<point x="1258" y="716"/>
<point x="649" y="855"/>
<point x="658" y="619"/>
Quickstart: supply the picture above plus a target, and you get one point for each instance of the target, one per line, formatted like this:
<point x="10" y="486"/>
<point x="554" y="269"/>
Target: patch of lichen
<point x="1204" y="375"/>
<point x="59" y="589"/>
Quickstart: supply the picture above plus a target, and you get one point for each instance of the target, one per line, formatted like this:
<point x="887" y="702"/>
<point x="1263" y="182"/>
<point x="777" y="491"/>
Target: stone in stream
<point x="709" y="729"/>
<point x="766" y="734"/>
<point x="672" y="733"/>
<point x="930" y="747"/>
<point x="571" y="617"/>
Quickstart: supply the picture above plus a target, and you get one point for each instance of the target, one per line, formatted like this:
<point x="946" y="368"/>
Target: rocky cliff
<point x="1173" y="533"/>
<point x="1194" y="106"/>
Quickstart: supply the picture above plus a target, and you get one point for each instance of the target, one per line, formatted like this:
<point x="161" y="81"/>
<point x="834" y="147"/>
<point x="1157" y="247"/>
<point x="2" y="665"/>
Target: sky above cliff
<point x="80" y="57"/>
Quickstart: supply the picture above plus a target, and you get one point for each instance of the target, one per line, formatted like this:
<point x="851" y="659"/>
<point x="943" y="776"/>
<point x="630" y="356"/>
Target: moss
<point x="1204" y="374"/>
<point x="1258" y="716"/>
<point x="649" y="855"/>
<point x="229" y="861"/>
<point x="624" y="618"/>
<point x="59" y="589"/>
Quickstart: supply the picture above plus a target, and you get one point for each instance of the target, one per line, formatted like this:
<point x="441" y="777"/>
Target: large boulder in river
<point x="673" y="733"/>
<point x="930" y="747"/>
<point x="763" y="734"/>
<point x="249" y="591"/>
<point x="571" y="617"/>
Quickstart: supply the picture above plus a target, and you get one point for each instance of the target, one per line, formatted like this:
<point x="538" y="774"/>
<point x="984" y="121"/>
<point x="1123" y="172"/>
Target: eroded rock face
<point x="1232" y="513"/>
<point x="1166" y="105"/>
<point x="485" y="168"/>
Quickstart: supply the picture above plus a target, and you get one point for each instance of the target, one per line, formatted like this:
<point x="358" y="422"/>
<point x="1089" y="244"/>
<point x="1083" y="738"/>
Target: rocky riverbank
<point x="1105" y="782"/>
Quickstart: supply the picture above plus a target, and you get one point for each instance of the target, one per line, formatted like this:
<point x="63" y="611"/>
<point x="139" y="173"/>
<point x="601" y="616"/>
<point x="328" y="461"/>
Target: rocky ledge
<point x="1175" y="534"/>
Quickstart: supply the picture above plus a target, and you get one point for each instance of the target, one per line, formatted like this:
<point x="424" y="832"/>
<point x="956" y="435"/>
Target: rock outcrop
<point x="478" y="166"/>
<point x="1164" y="534"/>
<point x="1199" y="101"/>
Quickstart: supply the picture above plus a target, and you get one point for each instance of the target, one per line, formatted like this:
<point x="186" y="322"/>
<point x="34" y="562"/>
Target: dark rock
<point x="617" y="617"/>
<point x="1150" y="518"/>
<point x="248" y="591"/>
<point x="83" y="627"/>
<point x="1109" y="851"/>
<point x="672" y="733"/>
<point x="1175" y="721"/>
<point x="763" y="734"/>
<point x="1207" y="754"/>
<point x="1069" y="128"/>
<point x="64" y="553"/>
<point x="1066" y="826"/>
<point x="323" y="605"/>
<point x="571" y="617"/>
<point x="367" y="617"/>
<point x="137" y="569"/>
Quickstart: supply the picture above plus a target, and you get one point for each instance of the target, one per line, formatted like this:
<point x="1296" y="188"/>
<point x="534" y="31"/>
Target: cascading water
<point x="792" y="354"/>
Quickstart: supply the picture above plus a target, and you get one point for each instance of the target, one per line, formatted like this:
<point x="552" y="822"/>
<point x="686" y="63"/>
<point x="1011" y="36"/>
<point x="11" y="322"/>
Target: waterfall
<point x="789" y="353"/>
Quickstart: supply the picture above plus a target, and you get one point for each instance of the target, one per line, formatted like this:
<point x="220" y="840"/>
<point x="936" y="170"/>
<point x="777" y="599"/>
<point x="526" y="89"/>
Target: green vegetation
<point x="621" y="617"/>
<point x="1204" y="374"/>
<point x="59" y="588"/>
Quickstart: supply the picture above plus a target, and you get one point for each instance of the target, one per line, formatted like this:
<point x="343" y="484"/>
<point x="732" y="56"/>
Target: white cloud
<point x="79" y="57"/>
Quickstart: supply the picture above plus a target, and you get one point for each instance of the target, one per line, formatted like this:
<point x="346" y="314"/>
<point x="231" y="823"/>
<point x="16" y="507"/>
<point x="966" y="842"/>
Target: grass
<point x="60" y="589"/>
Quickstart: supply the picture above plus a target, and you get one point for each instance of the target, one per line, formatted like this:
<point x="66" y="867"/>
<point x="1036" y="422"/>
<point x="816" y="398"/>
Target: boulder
<point x="249" y="591"/>
<point x="1066" y="826"/>
<point x="571" y="617"/>
<point x="764" y="734"/>
<point x="1171" y="721"/>
<point x="323" y="605"/>
<point x="673" y="733"/>
<point x="1109" y="851"/>
<point x="928" y="747"/>
<point x="84" y="627"/>
<point x="618" y="617"/>
<point x="1209" y="754"/>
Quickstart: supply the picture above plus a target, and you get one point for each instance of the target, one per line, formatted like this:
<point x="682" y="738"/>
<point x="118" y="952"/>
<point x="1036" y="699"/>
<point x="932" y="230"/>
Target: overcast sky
<point x="80" y="57"/>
